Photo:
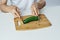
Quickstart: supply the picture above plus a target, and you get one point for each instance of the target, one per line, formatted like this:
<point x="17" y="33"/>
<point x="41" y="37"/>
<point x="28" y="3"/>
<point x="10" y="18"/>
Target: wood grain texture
<point x="42" y="23"/>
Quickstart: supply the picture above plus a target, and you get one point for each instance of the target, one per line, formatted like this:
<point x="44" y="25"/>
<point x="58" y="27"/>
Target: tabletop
<point x="8" y="32"/>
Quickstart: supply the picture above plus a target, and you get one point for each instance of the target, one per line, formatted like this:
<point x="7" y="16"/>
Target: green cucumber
<point x="32" y="18"/>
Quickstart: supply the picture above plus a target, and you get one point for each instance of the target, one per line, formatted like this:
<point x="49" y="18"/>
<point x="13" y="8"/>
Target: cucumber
<point x="30" y="19"/>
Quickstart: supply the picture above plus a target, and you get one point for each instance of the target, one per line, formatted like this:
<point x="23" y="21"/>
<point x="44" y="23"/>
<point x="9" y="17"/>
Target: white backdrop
<point x="53" y="2"/>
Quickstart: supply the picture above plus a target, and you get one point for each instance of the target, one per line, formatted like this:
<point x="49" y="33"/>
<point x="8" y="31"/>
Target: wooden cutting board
<point x="42" y="23"/>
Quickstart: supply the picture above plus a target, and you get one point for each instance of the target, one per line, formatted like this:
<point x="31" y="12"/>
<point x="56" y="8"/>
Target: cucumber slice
<point x="30" y="19"/>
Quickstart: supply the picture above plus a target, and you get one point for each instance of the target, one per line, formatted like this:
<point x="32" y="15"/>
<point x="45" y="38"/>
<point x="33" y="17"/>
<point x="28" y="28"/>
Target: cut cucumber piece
<point x="32" y="18"/>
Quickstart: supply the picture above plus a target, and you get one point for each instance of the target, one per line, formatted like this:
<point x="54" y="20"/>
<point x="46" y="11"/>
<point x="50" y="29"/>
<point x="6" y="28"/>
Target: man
<point x="22" y="6"/>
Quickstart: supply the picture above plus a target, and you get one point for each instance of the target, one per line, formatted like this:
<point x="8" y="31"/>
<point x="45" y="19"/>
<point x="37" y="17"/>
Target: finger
<point x="36" y="11"/>
<point x="33" y="13"/>
<point x="14" y="15"/>
<point x="17" y="14"/>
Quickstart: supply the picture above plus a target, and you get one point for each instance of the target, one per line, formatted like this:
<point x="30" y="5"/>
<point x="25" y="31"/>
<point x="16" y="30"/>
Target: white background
<point x="52" y="12"/>
<point x="53" y="2"/>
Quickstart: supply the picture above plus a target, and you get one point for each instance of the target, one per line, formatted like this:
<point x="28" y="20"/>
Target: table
<point x="8" y="32"/>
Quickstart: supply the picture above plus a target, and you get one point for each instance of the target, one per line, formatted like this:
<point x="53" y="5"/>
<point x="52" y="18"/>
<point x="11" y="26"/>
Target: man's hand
<point x="37" y="6"/>
<point x="35" y="10"/>
<point x="41" y="4"/>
